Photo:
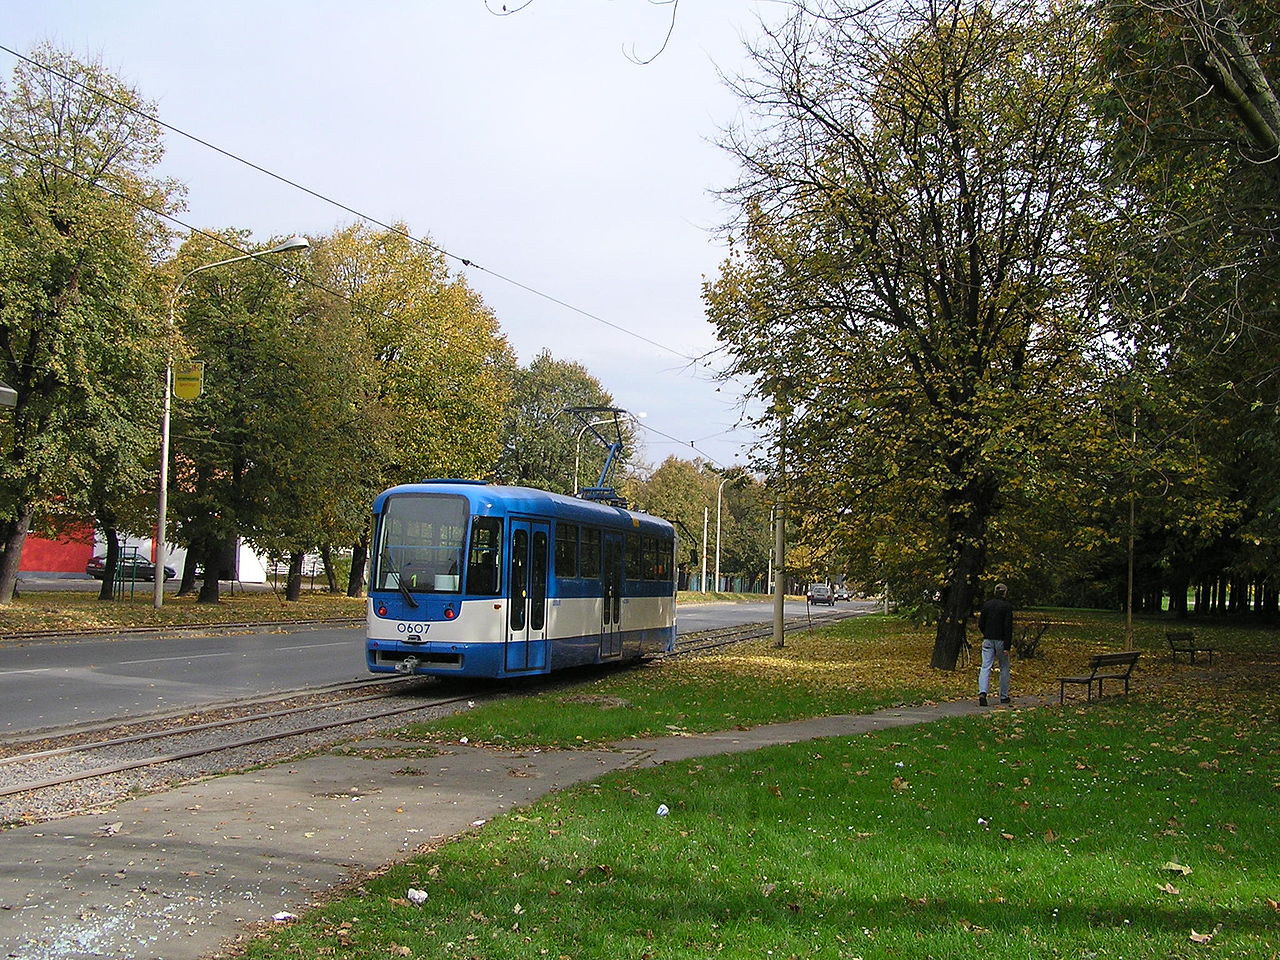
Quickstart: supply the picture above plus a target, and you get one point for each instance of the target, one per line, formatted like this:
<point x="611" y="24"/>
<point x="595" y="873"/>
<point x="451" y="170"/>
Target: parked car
<point x="129" y="566"/>
<point x="842" y="592"/>
<point x="821" y="593"/>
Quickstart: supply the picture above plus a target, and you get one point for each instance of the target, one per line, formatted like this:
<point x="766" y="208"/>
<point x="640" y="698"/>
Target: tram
<point x="477" y="580"/>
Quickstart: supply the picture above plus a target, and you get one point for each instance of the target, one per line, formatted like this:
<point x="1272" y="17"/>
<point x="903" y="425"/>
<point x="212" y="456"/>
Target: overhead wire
<point x="465" y="261"/>
<point x="692" y="361"/>
<point x="281" y="269"/>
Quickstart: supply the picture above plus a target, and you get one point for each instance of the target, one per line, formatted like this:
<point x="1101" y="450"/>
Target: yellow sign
<point x="188" y="380"/>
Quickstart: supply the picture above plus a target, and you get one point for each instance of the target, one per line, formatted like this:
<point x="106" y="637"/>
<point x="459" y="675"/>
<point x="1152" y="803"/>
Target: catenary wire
<point x="300" y="278"/>
<point x="466" y="262"/>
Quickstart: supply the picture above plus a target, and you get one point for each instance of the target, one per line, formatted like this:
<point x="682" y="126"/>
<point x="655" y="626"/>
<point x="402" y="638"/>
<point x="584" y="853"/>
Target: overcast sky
<point x="530" y="144"/>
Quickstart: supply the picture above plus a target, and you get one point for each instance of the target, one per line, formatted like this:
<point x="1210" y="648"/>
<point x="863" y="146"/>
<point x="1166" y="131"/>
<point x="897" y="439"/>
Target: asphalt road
<point x="56" y="684"/>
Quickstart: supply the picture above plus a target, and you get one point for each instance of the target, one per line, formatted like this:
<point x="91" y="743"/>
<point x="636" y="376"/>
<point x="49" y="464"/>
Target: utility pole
<point x="780" y="541"/>
<point x="706" y="518"/>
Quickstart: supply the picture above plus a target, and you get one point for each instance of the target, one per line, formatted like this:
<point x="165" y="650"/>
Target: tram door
<point x="611" y="579"/>
<point x="527" y="619"/>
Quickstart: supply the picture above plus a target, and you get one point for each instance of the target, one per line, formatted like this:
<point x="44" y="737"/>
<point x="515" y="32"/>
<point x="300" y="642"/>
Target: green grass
<point x="1017" y="833"/>
<point x="1050" y="832"/>
<point x="632" y="704"/>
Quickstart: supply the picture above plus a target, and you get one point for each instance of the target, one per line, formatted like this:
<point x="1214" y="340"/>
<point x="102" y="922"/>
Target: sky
<point x="531" y="144"/>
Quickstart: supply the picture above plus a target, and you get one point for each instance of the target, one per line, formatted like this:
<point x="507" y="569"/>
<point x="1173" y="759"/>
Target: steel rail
<point x="127" y="765"/>
<point x="180" y="731"/>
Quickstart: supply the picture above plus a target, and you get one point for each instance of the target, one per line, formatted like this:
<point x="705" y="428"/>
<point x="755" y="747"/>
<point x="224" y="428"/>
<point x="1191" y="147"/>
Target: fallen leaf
<point x="1203" y="938"/>
<point x="1050" y="836"/>
<point x="1170" y="889"/>
<point x="1176" y="868"/>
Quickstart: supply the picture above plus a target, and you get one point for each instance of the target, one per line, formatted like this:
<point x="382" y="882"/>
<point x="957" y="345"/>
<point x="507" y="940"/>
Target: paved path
<point x="177" y="874"/>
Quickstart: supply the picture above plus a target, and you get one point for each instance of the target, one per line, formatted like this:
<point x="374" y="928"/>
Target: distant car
<point x="821" y="593"/>
<point x="842" y="593"/>
<point x="129" y="566"/>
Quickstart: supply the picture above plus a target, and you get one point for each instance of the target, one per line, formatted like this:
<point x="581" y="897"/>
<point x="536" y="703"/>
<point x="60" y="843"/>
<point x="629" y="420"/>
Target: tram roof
<point x="525" y="500"/>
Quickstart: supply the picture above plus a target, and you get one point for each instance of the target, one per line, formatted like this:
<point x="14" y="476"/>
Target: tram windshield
<point x="421" y="543"/>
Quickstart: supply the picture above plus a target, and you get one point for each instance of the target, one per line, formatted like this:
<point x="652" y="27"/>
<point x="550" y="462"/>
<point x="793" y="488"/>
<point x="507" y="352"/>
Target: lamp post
<point x="719" y="491"/>
<point x="162" y="498"/>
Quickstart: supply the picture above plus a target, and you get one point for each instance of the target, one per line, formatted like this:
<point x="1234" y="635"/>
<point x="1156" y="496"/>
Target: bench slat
<point x="1184" y="641"/>
<point x="1097" y="663"/>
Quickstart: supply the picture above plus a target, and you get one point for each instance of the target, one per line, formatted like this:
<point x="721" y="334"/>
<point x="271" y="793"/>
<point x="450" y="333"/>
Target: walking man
<point x="995" y="623"/>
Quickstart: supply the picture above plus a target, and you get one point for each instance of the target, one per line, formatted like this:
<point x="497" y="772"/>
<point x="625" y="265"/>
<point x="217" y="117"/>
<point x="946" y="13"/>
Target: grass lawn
<point x="1139" y="827"/>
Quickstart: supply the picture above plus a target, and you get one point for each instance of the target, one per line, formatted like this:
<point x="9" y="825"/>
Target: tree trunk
<point x="293" y="588"/>
<point x="15" y="535"/>
<point x="966" y="538"/>
<point x="1178" y="597"/>
<point x="188" y="581"/>
<point x="108" y="589"/>
<point x="210" y="588"/>
<point x="359" y="557"/>
<point x="326" y="557"/>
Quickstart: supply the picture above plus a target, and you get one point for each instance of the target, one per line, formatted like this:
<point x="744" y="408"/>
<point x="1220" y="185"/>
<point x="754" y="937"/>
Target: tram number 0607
<point x="418" y="628"/>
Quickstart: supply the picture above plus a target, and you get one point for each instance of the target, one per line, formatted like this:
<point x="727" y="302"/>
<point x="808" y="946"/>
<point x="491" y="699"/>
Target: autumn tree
<point x="78" y="233"/>
<point x="235" y="447"/>
<point x="542" y="445"/>
<point x="918" y="190"/>
<point x="1196" y="138"/>
<point x="432" y="372"/>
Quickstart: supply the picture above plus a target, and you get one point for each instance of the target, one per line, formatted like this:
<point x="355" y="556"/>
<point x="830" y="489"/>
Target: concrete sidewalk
<point x="175" y="875"/>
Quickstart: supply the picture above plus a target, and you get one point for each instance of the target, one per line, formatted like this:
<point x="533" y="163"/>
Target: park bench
<point x="1184" y="641"/>
<point x="1102" y="666"/>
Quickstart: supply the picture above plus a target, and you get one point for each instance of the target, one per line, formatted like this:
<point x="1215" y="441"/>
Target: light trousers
<point x="989" y="656"/>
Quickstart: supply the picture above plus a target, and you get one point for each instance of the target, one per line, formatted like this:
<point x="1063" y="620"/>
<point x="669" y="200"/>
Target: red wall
<point x="68" y="555"/>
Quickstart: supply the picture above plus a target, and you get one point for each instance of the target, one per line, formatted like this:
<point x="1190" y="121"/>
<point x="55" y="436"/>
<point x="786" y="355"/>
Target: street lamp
<point x="162" y="498"/>
<point x="719" y="491"/>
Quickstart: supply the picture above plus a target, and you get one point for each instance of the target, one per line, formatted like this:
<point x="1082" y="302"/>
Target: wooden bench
<point x="1184" y="641"/>
<point x="1102" y="666"/>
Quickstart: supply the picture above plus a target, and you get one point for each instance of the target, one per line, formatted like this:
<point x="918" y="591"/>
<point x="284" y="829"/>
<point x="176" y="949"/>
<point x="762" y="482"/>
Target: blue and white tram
<point x="471" y="579"/>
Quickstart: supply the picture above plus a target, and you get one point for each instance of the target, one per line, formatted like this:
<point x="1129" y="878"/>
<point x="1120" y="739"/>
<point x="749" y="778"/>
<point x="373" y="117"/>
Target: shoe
<point x="1004" y="699"/>
<point x="982" y="699"/>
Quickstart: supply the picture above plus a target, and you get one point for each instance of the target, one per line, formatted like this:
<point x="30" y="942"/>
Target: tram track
<point x="59" y="773"/>
<point x="58" y="779"/>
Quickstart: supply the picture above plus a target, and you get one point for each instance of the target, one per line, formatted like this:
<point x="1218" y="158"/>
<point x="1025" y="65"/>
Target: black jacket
<point x="995" y="621"/>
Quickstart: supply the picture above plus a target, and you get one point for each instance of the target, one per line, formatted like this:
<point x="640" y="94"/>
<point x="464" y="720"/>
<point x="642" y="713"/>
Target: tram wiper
<point x="404" y="591"/>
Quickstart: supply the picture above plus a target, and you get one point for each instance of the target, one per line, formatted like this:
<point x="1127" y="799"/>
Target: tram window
<point x="538" y="582"/>
<point x="650" y="558"/>
<point x="566" y="550"/>
<point x="589" y="557"/>
<point x="635" y="557"/>
<point x="421" y="538"/>
<point x="663" y="569"/>
<point x="485" y="559"/>
<point x="519" y="577"/>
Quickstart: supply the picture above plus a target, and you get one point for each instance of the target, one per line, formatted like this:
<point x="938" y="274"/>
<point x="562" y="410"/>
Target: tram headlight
<point x="448" y="613"/>
<point x="382" y="610"/>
